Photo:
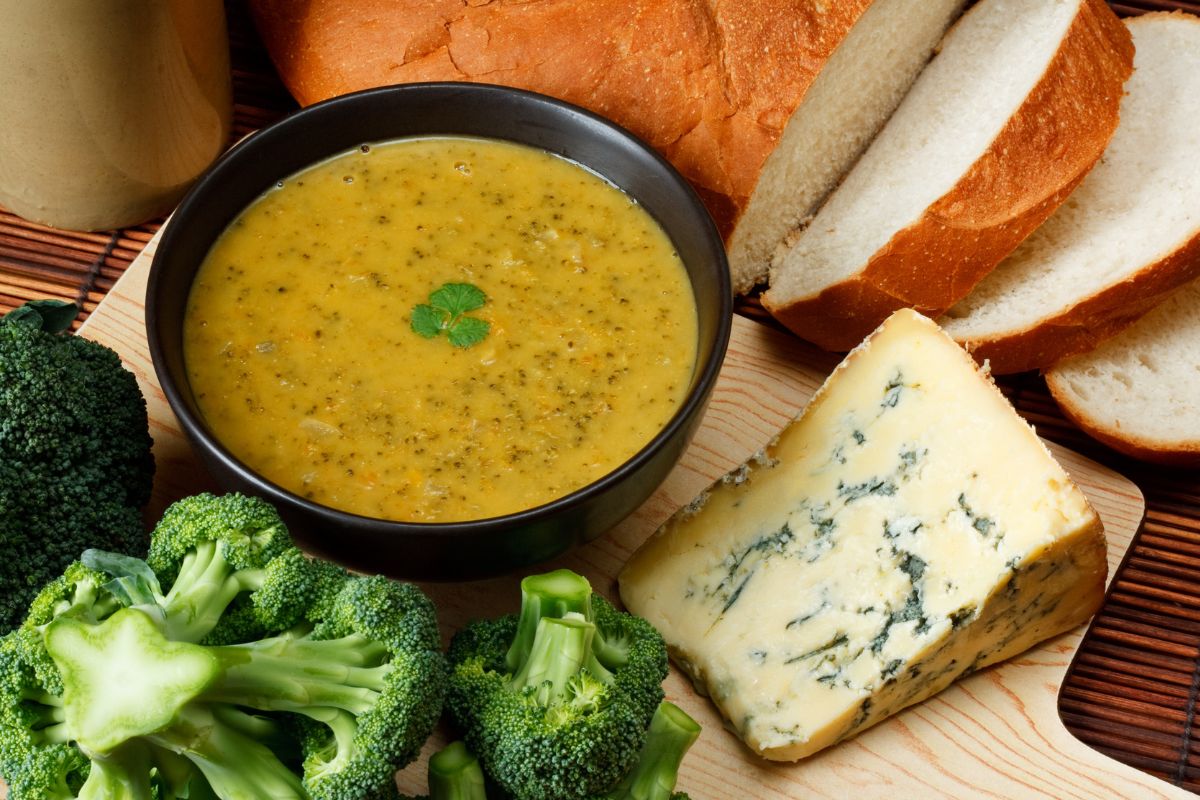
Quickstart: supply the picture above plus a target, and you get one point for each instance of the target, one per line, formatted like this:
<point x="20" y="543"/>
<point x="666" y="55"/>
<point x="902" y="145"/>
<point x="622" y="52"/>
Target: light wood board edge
<point x="996" y="734"/>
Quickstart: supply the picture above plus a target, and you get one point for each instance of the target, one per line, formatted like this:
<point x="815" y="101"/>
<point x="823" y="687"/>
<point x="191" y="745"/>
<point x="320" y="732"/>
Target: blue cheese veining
<point x="907" y="529"/>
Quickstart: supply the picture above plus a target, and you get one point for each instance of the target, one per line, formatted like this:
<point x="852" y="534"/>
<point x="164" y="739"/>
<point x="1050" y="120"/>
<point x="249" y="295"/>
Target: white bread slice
<point x="853" y="95"/>
<point x="1139" y="392"/>
<point x="1127" y="236"/>
<point x="995" y="133"/>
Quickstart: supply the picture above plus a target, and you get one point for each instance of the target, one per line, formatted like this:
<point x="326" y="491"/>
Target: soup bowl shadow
<point x="452" y="550"/>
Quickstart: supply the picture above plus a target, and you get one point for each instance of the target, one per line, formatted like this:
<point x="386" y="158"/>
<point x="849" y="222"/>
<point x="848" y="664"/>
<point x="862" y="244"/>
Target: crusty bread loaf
<point x="715" y="87"/>
<point x="1005" y="121"/>
<point x="1126" y="237"/>
<point x="1139" y="391"/>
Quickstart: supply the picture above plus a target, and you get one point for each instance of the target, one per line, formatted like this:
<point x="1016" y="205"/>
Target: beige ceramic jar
<point x="109" y="109"/>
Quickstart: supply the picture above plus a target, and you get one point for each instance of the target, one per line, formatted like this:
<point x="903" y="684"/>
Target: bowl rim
<point x="704" y="375"/>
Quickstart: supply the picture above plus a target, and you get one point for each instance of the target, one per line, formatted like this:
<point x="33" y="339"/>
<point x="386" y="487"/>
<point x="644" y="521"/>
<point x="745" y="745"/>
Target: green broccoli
<point x="454" y="774"/>
<point x="566" y="716"/>
<point x="653" y="776"/>
<point x="75" y="462"/>
<point x="259" y="674"/>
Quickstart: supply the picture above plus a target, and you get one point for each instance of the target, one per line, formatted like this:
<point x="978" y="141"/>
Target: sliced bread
<point x="852" y="96"/>
<point x="1128" y="235"/>
<point x="718" y="88"/>
<point x="1005" y="121"/>
<point x="1139" y="391"/>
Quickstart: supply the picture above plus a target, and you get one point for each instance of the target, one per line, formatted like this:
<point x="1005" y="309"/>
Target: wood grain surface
<point x="996" y="734"/>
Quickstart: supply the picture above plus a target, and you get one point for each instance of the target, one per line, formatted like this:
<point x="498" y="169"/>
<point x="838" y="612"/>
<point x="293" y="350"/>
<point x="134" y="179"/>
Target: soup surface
<point x="327" y="352"/>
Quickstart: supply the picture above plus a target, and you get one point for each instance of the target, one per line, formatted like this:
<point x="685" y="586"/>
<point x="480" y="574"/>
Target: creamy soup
<point x="440" y="329"/>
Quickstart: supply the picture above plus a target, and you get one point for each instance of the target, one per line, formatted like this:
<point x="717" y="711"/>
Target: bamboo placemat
<point x="1133" y="690"/>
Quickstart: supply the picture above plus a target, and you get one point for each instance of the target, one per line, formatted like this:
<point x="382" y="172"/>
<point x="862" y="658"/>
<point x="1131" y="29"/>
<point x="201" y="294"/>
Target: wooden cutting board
<point x="996" y="734"/>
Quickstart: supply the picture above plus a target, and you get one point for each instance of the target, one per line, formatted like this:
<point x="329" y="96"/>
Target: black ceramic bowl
<point x="460" y="550"/>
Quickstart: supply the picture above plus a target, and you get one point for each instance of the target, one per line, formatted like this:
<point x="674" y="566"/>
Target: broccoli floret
<point x="36" y="756"/>
<point x="258" y="674"/>
<point x="654" y="774"/>
<point x="367" y="675"/>
<point x="75" y="462"/>
<point x="557" y="723"/>
<point x="212" y="551"/>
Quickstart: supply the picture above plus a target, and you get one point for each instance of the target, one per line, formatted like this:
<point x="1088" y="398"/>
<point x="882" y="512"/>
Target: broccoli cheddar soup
<point x="437" y="330"/>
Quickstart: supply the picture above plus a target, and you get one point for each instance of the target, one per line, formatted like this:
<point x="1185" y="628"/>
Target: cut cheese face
<point x="907" y="529"/>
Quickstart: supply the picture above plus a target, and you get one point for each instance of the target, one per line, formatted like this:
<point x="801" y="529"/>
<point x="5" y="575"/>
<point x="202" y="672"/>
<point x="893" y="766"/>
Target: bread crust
<point x="711" y="86"/>
<point x="1043" y="151"/>
<point x="1081" y="327"/>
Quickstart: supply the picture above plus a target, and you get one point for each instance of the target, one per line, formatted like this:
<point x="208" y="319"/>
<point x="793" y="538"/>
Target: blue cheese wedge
<point x="907" y="529"/>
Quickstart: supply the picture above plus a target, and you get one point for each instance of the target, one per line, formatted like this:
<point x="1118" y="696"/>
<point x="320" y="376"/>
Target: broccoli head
<point x="75" y="461"/>
<point x="567" y="715"/>
<point x="258" y="673"/>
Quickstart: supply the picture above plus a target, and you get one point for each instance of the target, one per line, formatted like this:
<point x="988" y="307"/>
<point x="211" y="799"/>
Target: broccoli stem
<point x="554" y="595"/>
<point x="87" y="603"/>
<point x="294" y="673"/>
<point x="454" y="774"/>
<point x="123" y="774"/>
<point x="611" y="651"/>
<point x="236" y="765"/>
<point x="122" y="678"/>
<point x="179" y="777"/>
<point x="340" y="748"/>
<point x="50" y="722"/>
<point x="653" y="777"/>
<point x="561" y="648"/>
<point x="550" y="595"/>
<point x="205" y="587"/>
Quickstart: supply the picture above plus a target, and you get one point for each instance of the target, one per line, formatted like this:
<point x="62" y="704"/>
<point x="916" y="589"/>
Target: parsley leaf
<point x="468" y="331"/>
<point x="445" y="311"/>
<point x="427" y="321"/>
<point x="457" y="298"/>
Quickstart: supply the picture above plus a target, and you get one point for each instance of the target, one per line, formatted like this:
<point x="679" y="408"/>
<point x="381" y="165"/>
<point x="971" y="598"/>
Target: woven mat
<point x="1132" y="692"/>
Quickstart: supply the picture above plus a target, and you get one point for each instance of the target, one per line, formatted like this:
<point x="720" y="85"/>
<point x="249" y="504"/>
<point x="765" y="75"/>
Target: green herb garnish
<point x="445" y="311"/>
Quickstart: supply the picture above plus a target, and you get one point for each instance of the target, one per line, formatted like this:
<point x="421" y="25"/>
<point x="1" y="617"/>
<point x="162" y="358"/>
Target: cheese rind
<point x="907" y="529"/>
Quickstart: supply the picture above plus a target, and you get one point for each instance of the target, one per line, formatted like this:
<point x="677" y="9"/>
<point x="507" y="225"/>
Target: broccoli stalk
<point x="256" y="664"/>
<point x="556" y="660"/>
<point x="555" y="595"/>
<point x="225" y="745"/>
<point x="454" y="774"/>
<point x="207" y="583"/>
<point x="558" y="723"/>
<point x="297" y="673"/>
<point x="552" y="594"/>
<point x="653" y="777"/>
<point x="123" y="774"/>
<point x="122" y="678"/>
